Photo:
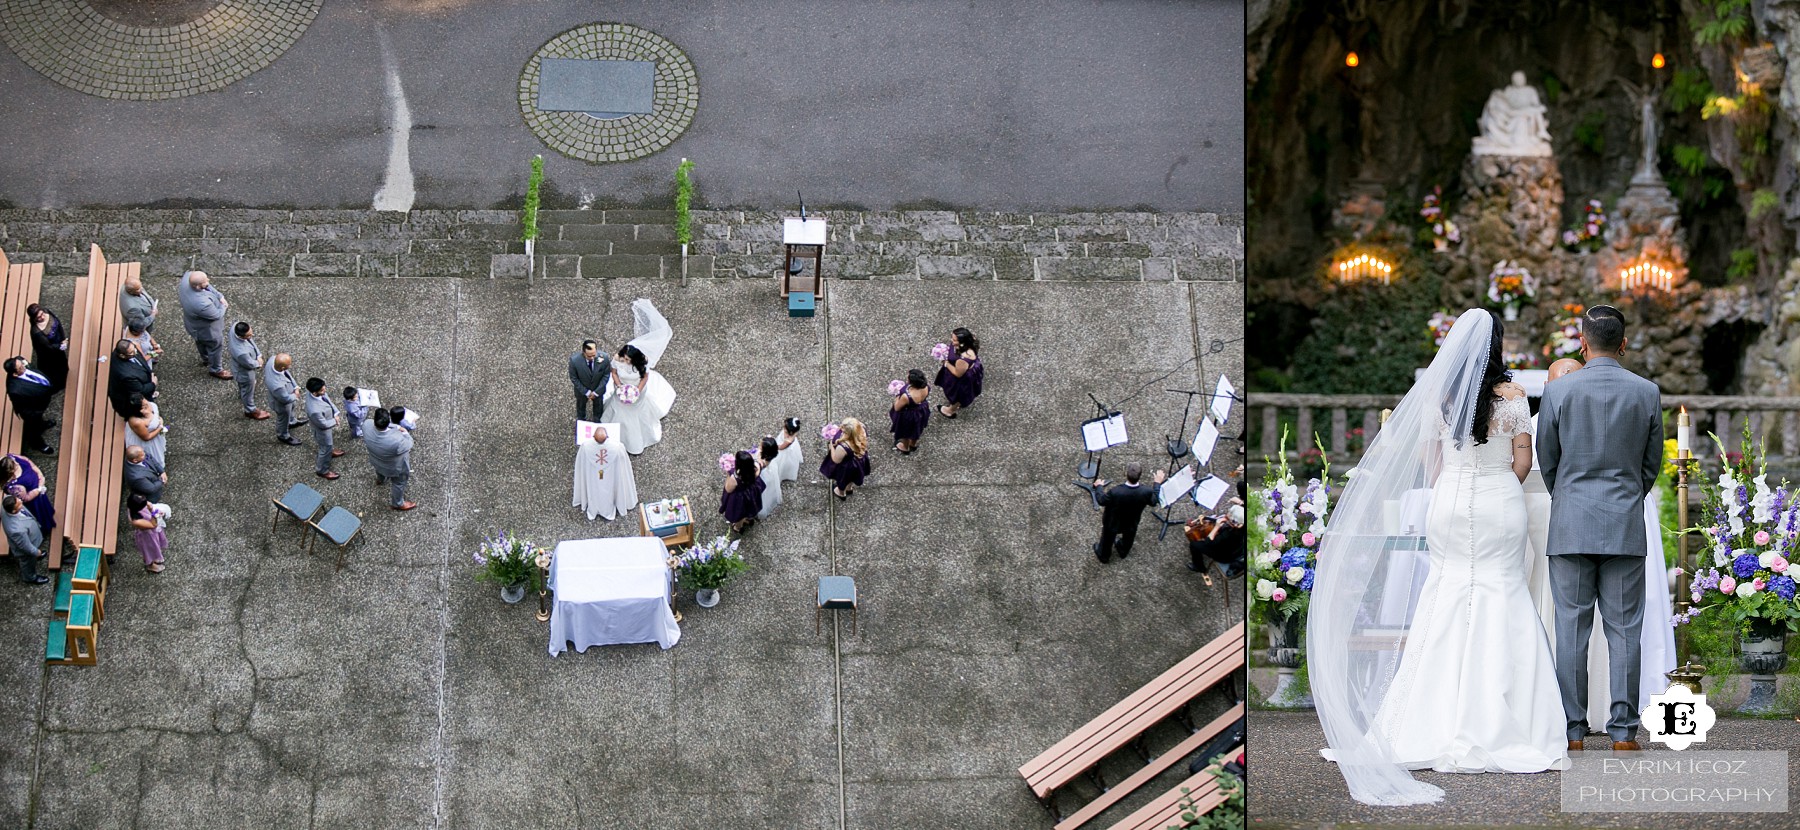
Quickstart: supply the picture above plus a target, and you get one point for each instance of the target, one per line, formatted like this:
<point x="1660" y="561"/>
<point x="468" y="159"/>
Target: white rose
<point x="1767" y="558"/>
<point x="1295" y="574"/>
<point x="1745" y="589"/>
<point x="1267" y="558"/>
<point x="1264" y="589"/>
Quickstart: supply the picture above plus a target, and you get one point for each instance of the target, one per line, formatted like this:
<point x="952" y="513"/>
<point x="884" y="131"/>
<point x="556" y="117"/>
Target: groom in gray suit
<point x="588" y="373"/>
<point x="1600" y="446"/>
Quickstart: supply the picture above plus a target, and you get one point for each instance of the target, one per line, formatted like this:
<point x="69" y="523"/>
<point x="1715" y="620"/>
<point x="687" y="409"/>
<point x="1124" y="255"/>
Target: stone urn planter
<point x="707" y="597"/>
<point x="1762" y="653"/>
<point x="1287" y="650"/>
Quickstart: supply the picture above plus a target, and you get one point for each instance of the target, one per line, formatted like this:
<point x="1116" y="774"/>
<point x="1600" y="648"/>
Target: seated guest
<point x="130" y="373"/>
<point x="1224" y="543"/>
<point x="144" y="475"/>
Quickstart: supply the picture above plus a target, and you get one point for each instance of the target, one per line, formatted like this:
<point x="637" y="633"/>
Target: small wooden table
<point x="680" y="538"/>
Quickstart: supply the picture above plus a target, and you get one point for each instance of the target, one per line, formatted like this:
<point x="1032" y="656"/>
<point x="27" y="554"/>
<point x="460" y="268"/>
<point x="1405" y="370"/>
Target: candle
<point x="1682" y="430"/>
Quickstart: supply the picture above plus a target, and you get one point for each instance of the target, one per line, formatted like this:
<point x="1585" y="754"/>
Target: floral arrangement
<point x="1565" y="340"/>
<point x="1439" y="327"/>
<point x="895" y="387"/>
<point x="831" y="432"/>
<point x="1294" y="520"/>
<point x="1593" y="226"/>
<point x="941" y="351"/>
<point x="710" y="565"/>
<point x="1520" y="360"/>
<point x="1509" y="283"/>
<point x="1753" y="531"/>
<point x="727" y="463"/>
<point x="1443" y="232"/>
<point x="506" y="559"/>
<point x="1354" y="439"/>
<point x="628" y="394"/>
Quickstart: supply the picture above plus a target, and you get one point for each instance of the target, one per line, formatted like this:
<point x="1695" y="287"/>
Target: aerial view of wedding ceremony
<point x="1525" y="413"/>
<point x="540" y="413"/>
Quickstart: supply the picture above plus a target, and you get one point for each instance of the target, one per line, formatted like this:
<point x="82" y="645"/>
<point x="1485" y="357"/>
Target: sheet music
<point x="1093" y="435"/>
<point x="1221" y="402"/>
<point x="368" y="397"/>
<point x="1115" y="429"/>
<point x="1176" y="487"/>
<point x="1207" y="493"/>
<point x="1205" y="440"/>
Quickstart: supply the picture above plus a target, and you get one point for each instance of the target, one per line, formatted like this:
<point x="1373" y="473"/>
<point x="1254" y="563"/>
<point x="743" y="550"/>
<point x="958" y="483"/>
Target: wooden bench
<point x="22" y="284"/>
<point x="1166" y="809"/>
<point x="91" y="467"/>
<point x="1126" y="722"/>
<point x="1175" y="755"/>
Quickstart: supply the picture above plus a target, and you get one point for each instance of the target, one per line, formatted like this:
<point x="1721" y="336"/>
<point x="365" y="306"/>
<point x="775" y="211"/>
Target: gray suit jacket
<point x="1600" y="441"/>
<point x="23" y="531"/>
<point x="202" y="311"/>
<point x="244" y="353"/>
<point x="390" y="450"/>
<point x="321" y="412"/>
<point x="143" y="478"/>
<point x="585" y="379"/>
<point x="139" y="307"/>
<point x="281" y="387"/>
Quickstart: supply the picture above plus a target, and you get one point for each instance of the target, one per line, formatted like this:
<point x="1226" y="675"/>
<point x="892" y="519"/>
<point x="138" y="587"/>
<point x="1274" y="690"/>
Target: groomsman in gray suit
<point x="588" y="372"/>
<point x="26" y="538"/>
<point x="136" y="305"/>
<point x="390" y="453"/>
<point x="248" y="358"/>
<point x="282" y="396"/>
<point x="203" y="311"/>
<point x="322" y="413"/>
<point x="1600" y="447"/>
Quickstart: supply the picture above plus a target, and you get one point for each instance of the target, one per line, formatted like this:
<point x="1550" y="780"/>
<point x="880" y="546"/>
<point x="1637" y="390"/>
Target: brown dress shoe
<point x="331" y="476"/>
<point x="257" y="415"/>
<point x="405" y="505"/>
<point x="1626" y="746"/>
<point x="1575" y="746"/>
<point x="222" y="374"/>
<point x="337" y="453"/>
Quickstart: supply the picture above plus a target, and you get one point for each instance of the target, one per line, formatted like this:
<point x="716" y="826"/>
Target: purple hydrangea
<point x="1294" y="558"/>
<point x="1783" y="586"/>
<point x="1745" y="565"/>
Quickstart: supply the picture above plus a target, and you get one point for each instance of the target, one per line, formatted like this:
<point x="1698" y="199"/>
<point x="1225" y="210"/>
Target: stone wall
<point x="899" y="245"/>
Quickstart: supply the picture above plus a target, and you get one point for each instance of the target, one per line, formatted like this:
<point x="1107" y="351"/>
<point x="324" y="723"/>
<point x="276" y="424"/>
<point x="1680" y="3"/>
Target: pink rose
<point x="1727" y="585"/>
<point x="1762" y="537"/>
<point x="1780" y="565"/>
<point x="1308" y="539"/>
<point x="1279" y="595"/>
<point x="1278" y="540"/>
<point x="1759" y="584"/>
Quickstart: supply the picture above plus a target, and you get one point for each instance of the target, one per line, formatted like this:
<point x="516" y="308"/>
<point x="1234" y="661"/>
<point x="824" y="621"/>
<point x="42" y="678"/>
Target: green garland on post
<point x="532" y="197"/>
<point x="684" y="196"/>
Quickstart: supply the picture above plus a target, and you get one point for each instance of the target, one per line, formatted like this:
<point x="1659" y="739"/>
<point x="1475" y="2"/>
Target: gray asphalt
<point x="1076" y="104"/>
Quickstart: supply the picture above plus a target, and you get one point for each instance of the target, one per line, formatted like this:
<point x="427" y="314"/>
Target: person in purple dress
<point x="743" y="496"/>
<point x="847" y="464"/>
<point x="147" y="531"/>
<point x="49" y="345"/>
<point x="25" y="480"/>
<point x="961" y="374"/>
<point x="909" y="414"/>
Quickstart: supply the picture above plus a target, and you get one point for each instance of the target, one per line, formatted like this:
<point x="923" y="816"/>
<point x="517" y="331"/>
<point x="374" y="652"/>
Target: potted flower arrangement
<point x="510" y="562"/>
<point x="1587" y="235"/>
<point x="1439" y="327"/>
<point x="1564" y="340"/>
<point x="1750" y="582"/>
<point x="1508" y="284"/>
<point x="1520" y="360"/>
<point x="1292" y="520"/>
<point x="705" y="568"/>
<point x="1440" y="231"/>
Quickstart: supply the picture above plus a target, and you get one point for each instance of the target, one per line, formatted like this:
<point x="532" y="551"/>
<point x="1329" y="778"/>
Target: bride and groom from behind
<point x="1456" y="673"/>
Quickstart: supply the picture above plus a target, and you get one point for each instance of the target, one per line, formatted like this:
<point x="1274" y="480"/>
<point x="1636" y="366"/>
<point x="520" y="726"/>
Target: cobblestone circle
<point x="71" y="43"/>
<point x="578" y="135"/>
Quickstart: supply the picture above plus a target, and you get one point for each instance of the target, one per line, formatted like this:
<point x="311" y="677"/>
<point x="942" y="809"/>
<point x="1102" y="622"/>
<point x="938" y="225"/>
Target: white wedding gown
<point x="1476" y="689"/>
<point x="640" y="422"/>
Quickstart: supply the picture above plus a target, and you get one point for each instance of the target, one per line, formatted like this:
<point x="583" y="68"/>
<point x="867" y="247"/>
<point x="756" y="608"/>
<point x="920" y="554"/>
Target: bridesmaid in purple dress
<point x="151" y="540"/>
<point x="743" y="496"/>
<point x="910" y="412"/>
<point x="961" y="375"/>
<point x="23" y="479"/>
<point x="848" y="462"/>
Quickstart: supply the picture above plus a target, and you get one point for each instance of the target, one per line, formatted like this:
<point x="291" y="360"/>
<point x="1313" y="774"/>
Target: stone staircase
<point x="602" y="244"/>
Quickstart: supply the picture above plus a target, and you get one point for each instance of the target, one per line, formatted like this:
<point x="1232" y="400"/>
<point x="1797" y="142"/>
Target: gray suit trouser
<point x="322" y="437"/>
<point x="397" y="487"/>
<point x="1617" y="583"/>
<point x="246" y="382"/>
<point x="211" y="353"/>
<point x="284" y="414"/>
<point x="27" y="565"/>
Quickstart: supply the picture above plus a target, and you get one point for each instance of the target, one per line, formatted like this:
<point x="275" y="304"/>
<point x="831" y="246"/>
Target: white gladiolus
<point x="1762" y="501"/>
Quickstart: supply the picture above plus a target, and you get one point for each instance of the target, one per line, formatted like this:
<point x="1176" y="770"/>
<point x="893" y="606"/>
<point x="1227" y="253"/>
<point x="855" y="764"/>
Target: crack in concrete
<point x="452" y="489"/>
<point x="837" y="641"/>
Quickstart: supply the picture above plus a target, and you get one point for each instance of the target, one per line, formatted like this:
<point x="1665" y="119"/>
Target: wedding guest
<point x="30" y="394"/>
<point x="136" y="305"/>
<point x="25" y="480"/>
<point x="743" y="496"/>
<point x="25" y="539"/>
<point x="354" y="412"/>
<point x="49" y="345"/>
<point x="768" y="457"/>
<point x="148" y="348"/>
<point x="1124" y="505"/>
<point x="790" y="458"/>
<point x="909" y="414"/>
<point x="203" y="312"/>
<point x="282" y="396"/>
<point x="248" y="358"/>
<point x="146" y="429"/>
<point x="130" y="373"/>
<point x="323" y="415"/>
<point x="847" y="463"/>
<point x="390" y="453"/>
<point x="1224" y="543"/>
<point x="147" y="531"/>
<point x="960" y="374"/>
<point x="143" y="474"/>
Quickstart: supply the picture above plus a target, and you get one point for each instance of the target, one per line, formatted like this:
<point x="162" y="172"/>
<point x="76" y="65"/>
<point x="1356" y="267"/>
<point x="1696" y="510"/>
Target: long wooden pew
<point x="91" y="469"/>
<point x="22" y="284"/>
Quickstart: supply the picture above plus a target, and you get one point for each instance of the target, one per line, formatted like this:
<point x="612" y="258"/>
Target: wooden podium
<point x="803" y="244"/>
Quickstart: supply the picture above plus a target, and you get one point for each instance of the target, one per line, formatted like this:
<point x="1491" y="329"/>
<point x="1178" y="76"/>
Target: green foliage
<point x="1689" y="158"/>
<point x="684" y="197"/>
<point x="1553" y="88"/>
<point x="1743" y="264"/>
<point x="532" y="196"/>
<point x="1688" y="88"/>
<point x="1763" y="201"/>
<point x="1591" y="132"/>
<point x="1730" y="21"/>
<point x="1229" y="815"/>
<point x="1351" y="351"/>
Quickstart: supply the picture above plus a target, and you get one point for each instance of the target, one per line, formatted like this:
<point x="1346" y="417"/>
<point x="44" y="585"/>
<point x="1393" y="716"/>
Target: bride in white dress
<point x="1466" y="683"/>
<point x="639" y="411"/>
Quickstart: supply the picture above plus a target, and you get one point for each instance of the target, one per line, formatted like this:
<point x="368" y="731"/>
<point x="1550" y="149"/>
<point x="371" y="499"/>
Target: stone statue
<point x="1514" y="123"/>
<point x="1647" y="172"/>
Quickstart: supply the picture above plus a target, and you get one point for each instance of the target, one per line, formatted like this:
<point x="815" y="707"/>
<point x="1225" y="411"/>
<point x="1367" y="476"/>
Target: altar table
<point x="611" y="591"/>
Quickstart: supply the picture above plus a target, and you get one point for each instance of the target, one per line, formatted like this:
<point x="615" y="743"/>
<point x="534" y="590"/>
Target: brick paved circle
<point x="584" y="137"/>
<point x="74" y="45"/>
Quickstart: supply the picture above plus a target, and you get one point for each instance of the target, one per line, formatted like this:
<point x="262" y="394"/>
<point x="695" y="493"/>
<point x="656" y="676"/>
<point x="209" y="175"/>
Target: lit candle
<point x="1682" y="430"/>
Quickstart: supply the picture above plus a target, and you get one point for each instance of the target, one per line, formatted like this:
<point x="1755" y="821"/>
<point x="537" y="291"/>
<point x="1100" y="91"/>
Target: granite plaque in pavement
<point x="604" y="89"/>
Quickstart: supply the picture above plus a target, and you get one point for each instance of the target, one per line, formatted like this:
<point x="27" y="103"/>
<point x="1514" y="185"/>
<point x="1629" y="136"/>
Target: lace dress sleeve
<point x="1512" y="416"/>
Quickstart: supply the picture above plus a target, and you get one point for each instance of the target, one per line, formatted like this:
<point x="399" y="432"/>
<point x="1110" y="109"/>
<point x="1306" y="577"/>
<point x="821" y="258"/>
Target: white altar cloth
<point x="611" y="591"/>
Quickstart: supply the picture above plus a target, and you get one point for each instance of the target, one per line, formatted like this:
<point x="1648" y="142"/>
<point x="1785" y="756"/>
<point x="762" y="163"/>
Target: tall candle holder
<point x="1687" y="674"/>
<point x="543" y="566"/>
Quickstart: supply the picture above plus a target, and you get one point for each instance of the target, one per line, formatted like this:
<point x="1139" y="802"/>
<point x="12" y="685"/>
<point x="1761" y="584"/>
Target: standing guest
<point x="961" y="373"/>
<point x="589" y="371"/>
<point x="24" y="537"/>
<point x="322" y="413"/>
<point x="1224" y="543"/>
<point x="248" y="358"/>
<point x="354" y="412"/>
<point x="146" y="429"/>
<point x="147" y="347"/>
<point x="282" y="396"/>
<point x="143" y="474"/>
<point x="130" y="374"/>
<point x="769" y="470"/>
<point x="390" y="453"/>
<point x="136" y="305"/>
<point x="23" y="479"/>
<point x="847" y="463"/>
<point x="49" y="345"/>
<point x="147" y="531"/>
<point x="1124" y="505"/>
<point x="743" y="496"/>
<point x="909" y="414"/>
<point x="203" y="312"/>
<point x="790" y="458"/>
<point x="30" y="394"/>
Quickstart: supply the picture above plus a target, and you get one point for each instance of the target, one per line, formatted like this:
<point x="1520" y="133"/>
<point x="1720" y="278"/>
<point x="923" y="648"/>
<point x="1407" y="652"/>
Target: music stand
<point x="1097" y="435"/>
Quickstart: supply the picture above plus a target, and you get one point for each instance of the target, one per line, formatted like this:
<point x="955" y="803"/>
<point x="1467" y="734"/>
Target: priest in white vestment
<point x="604" y="485"/>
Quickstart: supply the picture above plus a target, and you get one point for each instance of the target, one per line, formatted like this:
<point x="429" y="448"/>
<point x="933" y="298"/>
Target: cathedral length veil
<point x="1362" y="598"/>
<point x="651" y="329"/>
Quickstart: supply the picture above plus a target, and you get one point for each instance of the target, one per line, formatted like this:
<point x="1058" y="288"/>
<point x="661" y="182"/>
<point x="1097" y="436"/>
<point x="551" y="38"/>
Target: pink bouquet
<point x="727" y="463"/>
<point x="628" y="395"/>
<point x="831" y="432"/>
<point x="940" y="352"/>
<point x="895" y="387"/>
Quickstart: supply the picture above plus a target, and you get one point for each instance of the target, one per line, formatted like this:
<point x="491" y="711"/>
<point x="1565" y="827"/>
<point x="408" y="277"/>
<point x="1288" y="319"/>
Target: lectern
<point x="803" y="242"/>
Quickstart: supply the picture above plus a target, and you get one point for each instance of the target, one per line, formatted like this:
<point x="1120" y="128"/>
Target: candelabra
<point x="1687" y="674"/>
<point x="543" y="566"/>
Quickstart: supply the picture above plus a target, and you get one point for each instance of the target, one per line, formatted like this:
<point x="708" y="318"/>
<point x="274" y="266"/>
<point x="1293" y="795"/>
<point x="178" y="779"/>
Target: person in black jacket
<point x="49" y="345"/>
<point x="1123" y="505"/>
<point x="30" y="394"/>
<point x="129" y="374"/>
<point x="1225" y="544"/>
